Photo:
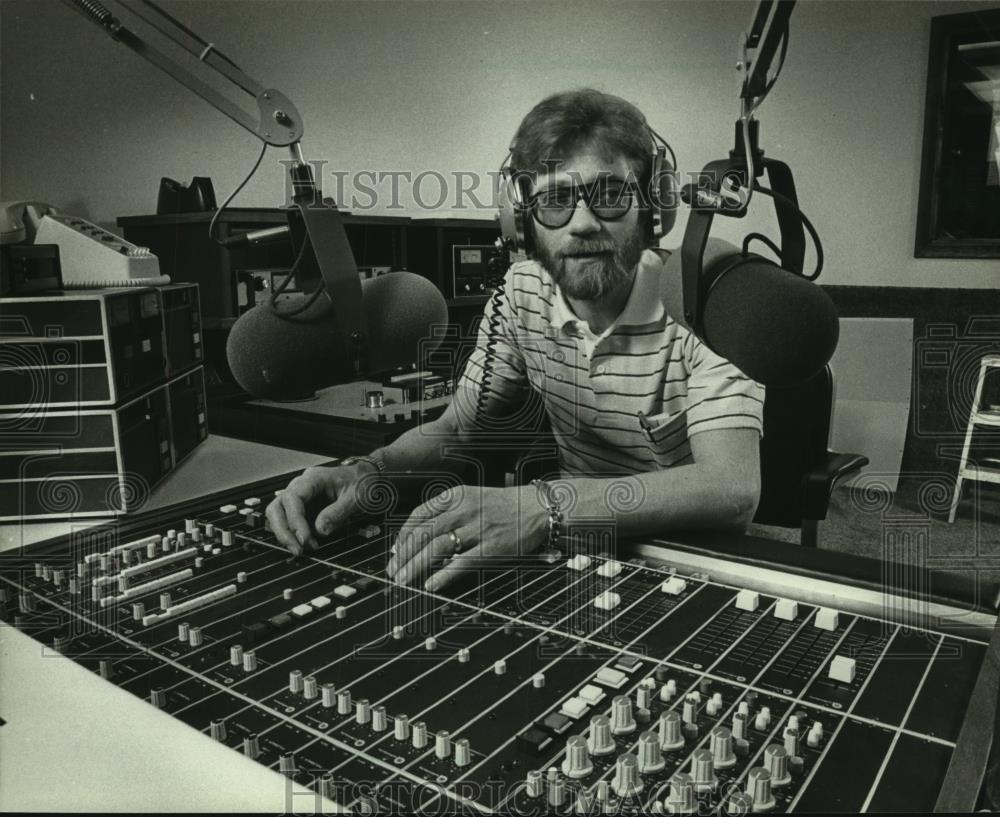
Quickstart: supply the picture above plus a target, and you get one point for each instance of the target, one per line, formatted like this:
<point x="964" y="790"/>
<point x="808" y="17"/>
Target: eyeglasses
<point x="607" y="199"/>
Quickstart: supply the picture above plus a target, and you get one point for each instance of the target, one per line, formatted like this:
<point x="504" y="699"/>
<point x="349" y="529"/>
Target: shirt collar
<point x="644" y="304"/>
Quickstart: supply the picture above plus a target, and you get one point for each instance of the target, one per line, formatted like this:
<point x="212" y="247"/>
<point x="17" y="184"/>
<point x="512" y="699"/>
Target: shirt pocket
<point x="666" y="436"/>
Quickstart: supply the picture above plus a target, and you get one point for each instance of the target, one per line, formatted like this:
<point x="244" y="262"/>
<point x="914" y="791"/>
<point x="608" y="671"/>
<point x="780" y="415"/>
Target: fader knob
<point x="681" y="799"/>
<point x="577" y="763"/>
<point x="626" y="781"/>
<point x="218" y="729"/>
<point x="106" y="668"/>
<point x="622" y="721"/>
<point x="157" y="697"/>
<point x="670" y="735"/>
<point x="462" y="753"/>
<point x="442" y="744"/>
<point x="286" y="764"/>
<point x="759" y="788"/>
<point x="328" y="787"/>
<point x="776" y="763"/>
<point x="721" y="747"/>
<point x="703" y="770"/>
<point x="650" y="759"/>
<point x="600" y="741"/>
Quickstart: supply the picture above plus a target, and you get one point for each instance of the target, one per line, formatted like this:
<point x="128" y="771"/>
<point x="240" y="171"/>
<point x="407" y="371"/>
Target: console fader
<point x="579" y="685"/>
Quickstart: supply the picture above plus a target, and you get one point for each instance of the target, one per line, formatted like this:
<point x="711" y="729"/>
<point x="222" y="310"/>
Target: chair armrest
<point x="818" y="484"/>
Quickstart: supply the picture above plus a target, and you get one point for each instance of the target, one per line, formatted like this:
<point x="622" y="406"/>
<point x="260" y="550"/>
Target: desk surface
<point x="73" y="742"/>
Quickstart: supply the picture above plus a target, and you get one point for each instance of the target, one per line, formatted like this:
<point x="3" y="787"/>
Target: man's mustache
<point x="587" y="248"/>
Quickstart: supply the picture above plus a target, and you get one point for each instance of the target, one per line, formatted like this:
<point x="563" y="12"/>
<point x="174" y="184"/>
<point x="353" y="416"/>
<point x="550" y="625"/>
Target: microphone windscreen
<point x="287" y="357"/>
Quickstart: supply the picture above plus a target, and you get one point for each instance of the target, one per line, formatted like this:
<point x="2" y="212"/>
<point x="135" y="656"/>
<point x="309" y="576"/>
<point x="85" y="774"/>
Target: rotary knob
<point x="690" y="710"/>
<point x="463" y="755"/>
<point x="534" y="783"/>
<point x="737" y="804"/>
<point x="721" y="747"/>
<point x="622" y="721"/>
<point x="740" y="726"/>
<point x="295" y="684"/>
<point x="555" y="788"/>
<point x="328" y="787"/>
<point x="600" y="741"/>
<point x="643" y="697"/>
<point x="310" y="689"/>
<point x="703" y="771"/>
<point x="442" y="744"/>
<point x="759" y="788"/>
<point x="379" y="720"/>
<point x="236" y="655"/>
<point x="328" y="695"/>
<point x="682" y="799"/>
<point x="218" y="730"/>
<point x="577" y="763"/>
<point x="671" y="737"/>
<point x="286" y="764"/>
<point x="650" y="759"/>
<point x="251" y="746"/>
<point x="791" y="738"/>
<point x="250" y="661"/>
<point x="668" y="690"/>
<point x="419" y="735"/>
<point x="401" y="727"/>
<point x="626" y="781"/>
<point x="344" y="702"/>
<point x="776" y="763"/>
<point x="362" y="711"/>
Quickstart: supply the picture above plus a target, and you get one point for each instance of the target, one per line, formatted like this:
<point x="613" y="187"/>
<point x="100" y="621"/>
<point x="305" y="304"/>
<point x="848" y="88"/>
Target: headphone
<point x="515" y="210"/>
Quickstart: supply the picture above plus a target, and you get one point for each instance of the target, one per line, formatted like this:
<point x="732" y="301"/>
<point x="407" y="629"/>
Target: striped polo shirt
<point x="625" y="401"/>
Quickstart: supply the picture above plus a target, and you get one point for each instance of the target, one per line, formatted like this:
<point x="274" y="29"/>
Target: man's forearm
<point x="420" y="448"/>
<point x="689" y="496"/>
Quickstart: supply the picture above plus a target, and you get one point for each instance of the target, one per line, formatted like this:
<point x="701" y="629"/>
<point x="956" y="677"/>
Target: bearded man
<point x="629" y="392"/>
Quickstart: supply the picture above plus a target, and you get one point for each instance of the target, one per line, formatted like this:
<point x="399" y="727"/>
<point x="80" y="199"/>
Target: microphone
<point x="252" y="237"/>
<point x="291" y="357"/>
<point x="776" y="327"/>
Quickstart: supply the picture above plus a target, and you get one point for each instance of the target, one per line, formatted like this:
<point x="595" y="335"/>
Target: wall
<point x="440" y="86"/>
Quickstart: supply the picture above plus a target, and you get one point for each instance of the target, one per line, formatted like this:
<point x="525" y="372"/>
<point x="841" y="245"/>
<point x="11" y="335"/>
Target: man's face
<point x="589" y="257"/>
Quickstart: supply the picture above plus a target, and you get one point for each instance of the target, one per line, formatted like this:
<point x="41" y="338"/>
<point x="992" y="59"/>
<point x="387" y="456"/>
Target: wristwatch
<point x="378" y="465"/>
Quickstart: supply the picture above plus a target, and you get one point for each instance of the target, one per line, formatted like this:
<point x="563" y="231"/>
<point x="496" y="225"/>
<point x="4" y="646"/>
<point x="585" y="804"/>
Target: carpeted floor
<point x="913" y="524"/>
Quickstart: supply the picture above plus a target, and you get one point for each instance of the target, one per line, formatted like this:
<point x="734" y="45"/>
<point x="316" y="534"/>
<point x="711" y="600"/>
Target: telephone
<point x="91" y="257"/>
<point x="19" y="220"/>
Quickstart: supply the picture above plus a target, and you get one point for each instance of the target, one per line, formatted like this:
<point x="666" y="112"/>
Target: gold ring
<point x="456" y="541"/>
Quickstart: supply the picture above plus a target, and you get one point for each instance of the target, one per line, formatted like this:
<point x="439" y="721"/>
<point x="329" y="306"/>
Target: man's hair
<point x="563" y="124"/>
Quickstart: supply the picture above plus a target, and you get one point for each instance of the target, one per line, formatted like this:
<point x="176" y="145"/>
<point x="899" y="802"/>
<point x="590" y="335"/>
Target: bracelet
<point x="555" y="512"/>
<point x="378" y="465"/>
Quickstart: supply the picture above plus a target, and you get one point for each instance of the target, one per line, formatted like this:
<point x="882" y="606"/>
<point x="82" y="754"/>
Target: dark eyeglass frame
<point x="628" y="195"/>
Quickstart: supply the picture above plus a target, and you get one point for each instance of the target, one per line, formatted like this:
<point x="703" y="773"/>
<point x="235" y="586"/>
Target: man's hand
<point x="469" y="524"/>
<point x="288" y="514"/>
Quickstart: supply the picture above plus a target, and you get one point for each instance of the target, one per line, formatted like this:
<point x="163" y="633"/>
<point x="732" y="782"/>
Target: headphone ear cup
<point x="514" y="228"/>
<point x="663" y="210"/>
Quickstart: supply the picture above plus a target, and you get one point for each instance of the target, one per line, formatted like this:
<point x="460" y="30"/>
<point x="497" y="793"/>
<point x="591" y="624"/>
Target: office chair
<point x="798" y="471"/>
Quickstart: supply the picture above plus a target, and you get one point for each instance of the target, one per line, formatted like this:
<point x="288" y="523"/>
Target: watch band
<point x="377" y="464"/>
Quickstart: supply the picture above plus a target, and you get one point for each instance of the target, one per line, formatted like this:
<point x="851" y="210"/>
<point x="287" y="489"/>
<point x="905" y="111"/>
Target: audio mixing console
<point x="577" y="684"/>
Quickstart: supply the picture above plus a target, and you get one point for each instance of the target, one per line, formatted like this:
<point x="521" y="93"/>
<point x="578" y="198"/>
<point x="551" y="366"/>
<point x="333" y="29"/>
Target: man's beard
<point x="596" y="278"/>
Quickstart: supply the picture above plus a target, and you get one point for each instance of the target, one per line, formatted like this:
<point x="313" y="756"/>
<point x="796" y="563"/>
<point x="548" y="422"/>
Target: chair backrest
<point x="795" y="441"/>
